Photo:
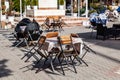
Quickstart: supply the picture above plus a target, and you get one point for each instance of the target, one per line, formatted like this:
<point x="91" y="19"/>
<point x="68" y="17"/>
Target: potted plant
<point x="34" y="4"/>
<point x="3" y="13"/>
<point x="75" y="12"/>
<point x="10" y="12"/>
<point x="61" y="4"/>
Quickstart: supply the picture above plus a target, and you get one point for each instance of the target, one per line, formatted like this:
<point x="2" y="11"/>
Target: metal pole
<point x="25" y="9"/>
<point x="20" y="9"/>
<point x="0" y="14"/>
<point x="78" y="8"/>
<point x="65" y="5"/>
<point x="86" y="8"/>
<point x="72" y="7"/>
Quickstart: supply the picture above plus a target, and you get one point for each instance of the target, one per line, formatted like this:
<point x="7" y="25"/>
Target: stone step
<point x="67" y="19"/>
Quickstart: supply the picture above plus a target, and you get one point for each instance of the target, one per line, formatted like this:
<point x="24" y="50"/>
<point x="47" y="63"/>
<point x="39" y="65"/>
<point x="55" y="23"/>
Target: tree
<point x="10" y="8"/>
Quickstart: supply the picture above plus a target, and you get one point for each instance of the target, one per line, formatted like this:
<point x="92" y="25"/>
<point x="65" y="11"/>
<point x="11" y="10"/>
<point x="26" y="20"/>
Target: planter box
<point x="75" y="14"/>
<point x="35" y="7"/>
<point x="28" y="7"/>
<point x="3" y="18"/>
<point x="10" y="18"/>
<point x="3" y="23"/>
<point x="61" y="7"/>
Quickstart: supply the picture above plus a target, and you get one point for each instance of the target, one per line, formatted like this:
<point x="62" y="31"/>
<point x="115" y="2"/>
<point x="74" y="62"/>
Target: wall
<point x="47" y="3"/>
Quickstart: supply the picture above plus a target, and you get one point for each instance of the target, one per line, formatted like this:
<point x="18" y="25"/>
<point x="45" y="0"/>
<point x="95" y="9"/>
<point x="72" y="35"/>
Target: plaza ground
<point x="105" y="65"/>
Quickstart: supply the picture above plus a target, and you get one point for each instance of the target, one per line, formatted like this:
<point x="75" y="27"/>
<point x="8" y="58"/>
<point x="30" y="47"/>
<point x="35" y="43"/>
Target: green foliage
<point x="61" y="2"/>
<point x="75" y="10"/>
<point x="16" y="4"/>
<point x="109" y="8"/>
<point x="97" y="7"/>
<point x="82" y="10"/>
<point x="33" y="2"/>
<point x="92" y="11"/>
<point x="95" y="1"/>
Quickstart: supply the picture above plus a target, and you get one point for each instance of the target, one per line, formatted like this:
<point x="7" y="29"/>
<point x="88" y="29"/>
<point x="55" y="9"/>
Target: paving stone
<point x="104" y="65"/>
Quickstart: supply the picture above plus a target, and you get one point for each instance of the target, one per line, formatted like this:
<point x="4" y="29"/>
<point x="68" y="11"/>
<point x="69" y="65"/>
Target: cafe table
<point x="53" y="42"/>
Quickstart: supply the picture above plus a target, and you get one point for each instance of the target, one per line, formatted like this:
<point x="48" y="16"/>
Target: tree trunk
<point x="10" y="8"/>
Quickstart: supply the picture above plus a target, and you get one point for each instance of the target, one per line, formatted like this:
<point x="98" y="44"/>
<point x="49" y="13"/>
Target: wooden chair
<point x="46" y="24"/>
<point x="77" y="47"/>
<point x="52" y="34"/>
<point x="85" y="47"/>
<point x="49" y="54"/>
<point x="67" y="51"/>
<point x="39" y="44"/>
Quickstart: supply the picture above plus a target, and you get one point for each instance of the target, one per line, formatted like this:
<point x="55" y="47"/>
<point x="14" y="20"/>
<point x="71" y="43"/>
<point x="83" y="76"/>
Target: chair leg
<point x="88" y="48"/>
<point x="76" y="57"/>
<point x="73" y="65"/>
<point x="29" y="57"/>
<point x="51" y="63"/>
<point x="19" y="43"/>
<point x="61" y="66"/>
<point x="39" y="60"/>
<point x="28" y="52"/>
<point x="42" y="65"/>
<point x="83" y="61"/>
<point x="91" y="33"/>
<point x="84" y="54"/>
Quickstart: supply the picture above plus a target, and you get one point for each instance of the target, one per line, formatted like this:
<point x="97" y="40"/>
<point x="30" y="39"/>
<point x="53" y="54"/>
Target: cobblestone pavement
<point x="105" y="65"/>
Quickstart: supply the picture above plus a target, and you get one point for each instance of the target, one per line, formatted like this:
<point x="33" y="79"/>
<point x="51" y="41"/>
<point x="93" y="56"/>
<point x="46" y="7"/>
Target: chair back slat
<point x="51" y="34"/>
<point x="66" y="39"/>
<point x="41" y="41"/>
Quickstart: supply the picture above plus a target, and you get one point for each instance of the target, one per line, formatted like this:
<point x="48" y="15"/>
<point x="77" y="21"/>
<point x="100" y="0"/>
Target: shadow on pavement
<point x="110" y="43"/>
<point x="3" y="68"/>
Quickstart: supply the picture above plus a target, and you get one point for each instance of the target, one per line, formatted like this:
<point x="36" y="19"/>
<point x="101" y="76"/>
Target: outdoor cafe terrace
<point x="102" y="58"/>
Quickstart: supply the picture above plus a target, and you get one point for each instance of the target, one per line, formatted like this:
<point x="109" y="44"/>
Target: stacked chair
<point x="103" y="31"/>
<point x="116" y="30"/>
<point x="27" y="31"/>
<point x="93" y="27"/>
<point x="53" y="23"/>
<point x="20" y="34"/>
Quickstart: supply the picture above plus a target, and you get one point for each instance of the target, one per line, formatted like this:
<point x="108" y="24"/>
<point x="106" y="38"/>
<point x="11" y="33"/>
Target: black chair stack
<point x="103" y="31"/>
<point x="20" y="33"/>
<point x="116" y="32"/>
<point x="93" y="26"/>
<point x="27" y="31"/>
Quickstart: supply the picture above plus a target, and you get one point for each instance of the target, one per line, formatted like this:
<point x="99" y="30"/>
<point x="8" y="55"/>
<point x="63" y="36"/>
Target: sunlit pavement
<point x="105" y="65"/>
